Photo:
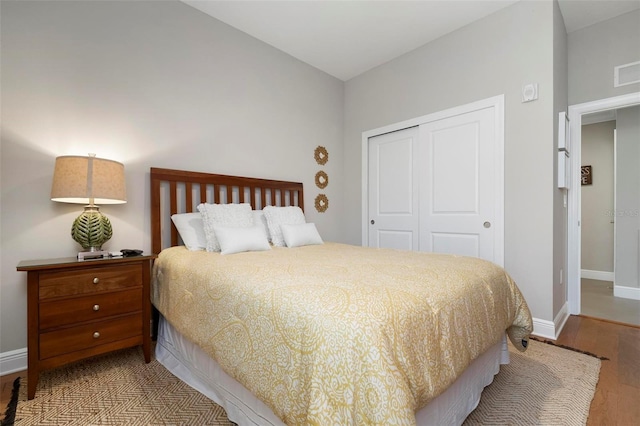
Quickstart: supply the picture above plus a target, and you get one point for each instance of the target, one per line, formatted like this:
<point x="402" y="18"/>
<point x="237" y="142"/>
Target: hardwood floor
<point x="617" y="398"/>
<point x="6" y="385"/>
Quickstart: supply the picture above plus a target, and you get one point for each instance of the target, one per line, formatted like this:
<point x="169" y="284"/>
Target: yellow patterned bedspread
<point x="336" y="334"/>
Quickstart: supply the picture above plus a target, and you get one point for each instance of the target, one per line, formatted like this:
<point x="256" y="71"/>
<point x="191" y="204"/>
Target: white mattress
<point x="193" y="366"/>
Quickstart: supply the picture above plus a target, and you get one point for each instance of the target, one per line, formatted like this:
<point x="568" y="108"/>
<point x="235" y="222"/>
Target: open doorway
<point x="603" y="204"/>
<point x="574" y="264"/>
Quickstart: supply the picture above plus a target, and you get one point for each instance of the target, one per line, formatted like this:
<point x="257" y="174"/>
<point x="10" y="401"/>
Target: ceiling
<point x="346" y="38"/>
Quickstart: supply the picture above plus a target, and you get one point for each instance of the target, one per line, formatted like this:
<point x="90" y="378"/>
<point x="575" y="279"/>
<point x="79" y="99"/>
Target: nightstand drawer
<point x="93" y="307"/>
<point x="89" y="280"/>
<point x="72" y="339"/>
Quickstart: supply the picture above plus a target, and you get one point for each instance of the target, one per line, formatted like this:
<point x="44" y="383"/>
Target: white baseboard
<point x="551" y="329"/>
<point x="626" y="292"/>
<point x="13" y="361"/>
<point x="597" y="275"/>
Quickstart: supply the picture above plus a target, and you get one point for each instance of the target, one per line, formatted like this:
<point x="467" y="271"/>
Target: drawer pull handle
<point x="96" y="280"/>
<point x="96" y="307"/>
<point x="96" y="334"/>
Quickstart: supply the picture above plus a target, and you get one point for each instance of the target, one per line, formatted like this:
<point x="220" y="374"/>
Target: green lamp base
<point x="91" y="230"/>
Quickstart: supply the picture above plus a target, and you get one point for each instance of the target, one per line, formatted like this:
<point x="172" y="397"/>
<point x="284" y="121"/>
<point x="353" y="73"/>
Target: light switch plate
<point x="529" y="92"/>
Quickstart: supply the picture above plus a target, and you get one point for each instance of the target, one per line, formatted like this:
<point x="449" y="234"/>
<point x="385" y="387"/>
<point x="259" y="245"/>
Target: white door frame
<point x="574" y="209"/>
<point x="496" y="102"/>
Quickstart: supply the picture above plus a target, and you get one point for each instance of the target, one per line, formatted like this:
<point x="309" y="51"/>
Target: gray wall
<point x="149" y="84"/>
<point x="593" y="53"/>
<point x="496" y="55"/>
<point x="560" y="213"/>
<point x="628" y="197"/>
<point x="597" y="199"/>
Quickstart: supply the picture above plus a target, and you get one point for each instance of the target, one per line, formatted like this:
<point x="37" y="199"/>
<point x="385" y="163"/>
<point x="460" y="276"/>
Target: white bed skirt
<point x="193" y="366"/>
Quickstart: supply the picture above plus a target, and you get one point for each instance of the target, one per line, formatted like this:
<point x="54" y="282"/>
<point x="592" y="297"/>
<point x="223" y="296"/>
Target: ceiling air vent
<point x="626" y="74"/>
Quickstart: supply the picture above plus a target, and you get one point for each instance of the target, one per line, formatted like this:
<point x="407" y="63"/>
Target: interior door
<point x="458" y="185"/>
<point x="393" y="200"/>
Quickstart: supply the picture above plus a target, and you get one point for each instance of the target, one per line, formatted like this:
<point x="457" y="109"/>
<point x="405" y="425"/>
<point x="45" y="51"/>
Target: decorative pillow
<point x="277" y="216"/>
<point x="236" y="215"/>
<point x="191" y="230"/>
<point x="304" y="234"/>
<point x="236" y="240"/>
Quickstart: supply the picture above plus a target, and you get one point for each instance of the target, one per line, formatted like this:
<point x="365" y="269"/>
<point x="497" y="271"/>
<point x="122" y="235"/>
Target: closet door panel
<point x="393" y="202"/>
<point x="457" y="182"/>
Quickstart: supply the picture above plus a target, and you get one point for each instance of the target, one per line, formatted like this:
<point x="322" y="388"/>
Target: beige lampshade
<point x="88" y="180"/>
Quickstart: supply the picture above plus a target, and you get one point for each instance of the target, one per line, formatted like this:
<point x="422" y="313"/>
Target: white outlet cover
<point x="529" y="92"/>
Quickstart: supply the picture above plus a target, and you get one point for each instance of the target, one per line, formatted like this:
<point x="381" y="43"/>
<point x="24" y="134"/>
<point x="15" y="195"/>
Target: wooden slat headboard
<point x="178" y="191"/>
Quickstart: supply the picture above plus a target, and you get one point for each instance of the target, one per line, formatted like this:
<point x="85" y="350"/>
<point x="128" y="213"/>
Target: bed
<point x="324" y="333"/>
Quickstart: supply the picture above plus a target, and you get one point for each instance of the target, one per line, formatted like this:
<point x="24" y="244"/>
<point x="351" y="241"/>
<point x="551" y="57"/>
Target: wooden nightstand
<point x="78" y="309"/>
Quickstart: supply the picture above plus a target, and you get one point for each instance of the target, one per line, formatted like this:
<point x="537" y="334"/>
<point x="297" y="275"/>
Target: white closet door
<point x="393" y="200"/>
<point x="458" y="184"/>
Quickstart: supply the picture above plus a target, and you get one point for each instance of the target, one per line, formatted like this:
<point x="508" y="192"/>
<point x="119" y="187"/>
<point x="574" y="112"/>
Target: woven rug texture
<point x="546" y="385"/>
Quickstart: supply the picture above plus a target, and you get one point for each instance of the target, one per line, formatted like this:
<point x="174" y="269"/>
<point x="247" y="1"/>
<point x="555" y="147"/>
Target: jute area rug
<point x="546" y="385"/>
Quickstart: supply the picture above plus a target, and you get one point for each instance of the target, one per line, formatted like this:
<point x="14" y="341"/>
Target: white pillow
<point x="236" y="215"/>
<point x="236" y="240"/>
<point x="261" y="221"/>
<point x="305" y="234"/>
<point x="277" y="216"/>
<point x="191" y="230"/>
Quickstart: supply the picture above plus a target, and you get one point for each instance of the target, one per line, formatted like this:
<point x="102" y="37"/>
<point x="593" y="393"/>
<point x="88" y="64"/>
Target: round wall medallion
<point x="321" y="155"/>
<point x="322" y="203"/>
<point x="322" y="180"/>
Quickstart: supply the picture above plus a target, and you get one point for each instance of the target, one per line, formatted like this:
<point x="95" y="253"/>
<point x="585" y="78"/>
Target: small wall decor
<point x="322" y="180"/>
<point x="322" y="203"/>
<point x="586" y="176"/>
<point x="321" y="155"/>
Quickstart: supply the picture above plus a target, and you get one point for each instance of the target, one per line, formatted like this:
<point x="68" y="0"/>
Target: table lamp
<point x="90" y="181"/>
